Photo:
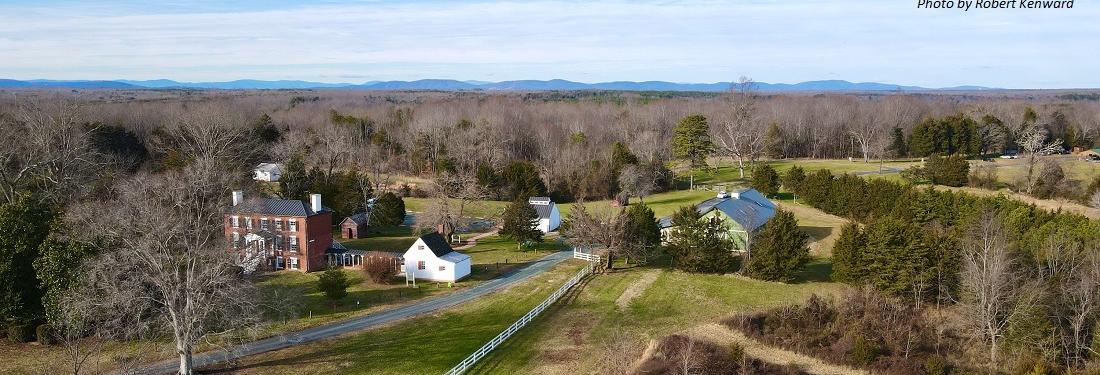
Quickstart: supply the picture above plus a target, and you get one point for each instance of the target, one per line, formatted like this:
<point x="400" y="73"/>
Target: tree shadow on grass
<point x="817" y="270"/>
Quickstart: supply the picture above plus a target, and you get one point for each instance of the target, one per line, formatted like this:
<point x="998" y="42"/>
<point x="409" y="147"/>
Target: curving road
<point x="366" y="321"/>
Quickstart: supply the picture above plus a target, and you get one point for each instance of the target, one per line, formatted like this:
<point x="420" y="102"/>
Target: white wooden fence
<point x="515" y="327"/>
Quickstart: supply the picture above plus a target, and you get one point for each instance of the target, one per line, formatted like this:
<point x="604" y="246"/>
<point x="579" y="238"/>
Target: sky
<point x="889" y="41"/>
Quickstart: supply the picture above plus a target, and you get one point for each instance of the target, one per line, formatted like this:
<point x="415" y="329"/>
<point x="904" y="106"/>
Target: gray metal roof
<point x="746" y="207"/>
<point x="358" y="219"/>
<point x="544" y="209"/>
<point x="277" y="207"/>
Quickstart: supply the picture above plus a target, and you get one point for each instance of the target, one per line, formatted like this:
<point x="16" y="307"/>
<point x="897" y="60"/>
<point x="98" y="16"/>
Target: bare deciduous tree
<point x="46" y="148"/>
<point x="596" y="231"/>
<point x="989" y="282"/>
<point x="741" y="136"/>
<point x="1033" y="142"/>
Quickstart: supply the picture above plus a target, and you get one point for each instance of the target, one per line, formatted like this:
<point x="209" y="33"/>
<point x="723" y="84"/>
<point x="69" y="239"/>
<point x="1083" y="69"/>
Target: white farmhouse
<point x="269" y="172"/>
<point x="431" y="258"/>
<point x="549" y="216"/>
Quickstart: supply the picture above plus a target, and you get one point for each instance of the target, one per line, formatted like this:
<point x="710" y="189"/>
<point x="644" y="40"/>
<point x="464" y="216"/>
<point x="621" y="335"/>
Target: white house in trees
<point x="549" y="216"/>
<point x="431" y="258"/>
<point x="269" y="172"/>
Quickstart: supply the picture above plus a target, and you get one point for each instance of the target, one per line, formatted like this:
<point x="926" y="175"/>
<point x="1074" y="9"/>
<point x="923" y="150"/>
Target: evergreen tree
<point x="897" y="143"/>
<point x="523" y="180"/>
<point x="773" y="142"/>
<point x="334" y="284"/>
<point x="58" y="268"/>
<point x="815" y="191"/>
<point x="520" y="222"/>
<point x="698" y="245"/>
<point x="793" y="180"/>
<point x="490" y="180"/>
<point x="848" y="262"/>
<point x="642" y="233"/>
<point x="952" y="170"/>
<point x="389" y="211"/>
<point x="691" y="141"/>
<point x="295" y="181"/>
<point x="765" y="180"/>
<point x="779" y="250"/>
<point x="24" y="225"/>
<point x="265" y="130"/>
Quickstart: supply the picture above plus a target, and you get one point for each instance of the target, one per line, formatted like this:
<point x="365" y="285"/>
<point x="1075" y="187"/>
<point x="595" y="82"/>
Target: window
<point x="294" y="263"/>
<point x="421" y="247"/>
<point x="236" y="239"/>
<point x="248" y="223"/>
<point x="442" y="268"/>
<point x="279" y="224"/>
<point x="235" y="221"/>
<point x="293" y="243"/>
<point x="421" y="265"/>
<point x="293" y="225"/>
<point x="263" y="223"/>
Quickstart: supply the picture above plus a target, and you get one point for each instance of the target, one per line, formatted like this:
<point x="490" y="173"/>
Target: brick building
<point x="281" y="234"/>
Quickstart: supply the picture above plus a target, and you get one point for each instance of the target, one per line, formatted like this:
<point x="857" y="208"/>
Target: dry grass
<point x="719" y="334"/>
<point x="1049" y="204"/>
<point x="637" y="288"/>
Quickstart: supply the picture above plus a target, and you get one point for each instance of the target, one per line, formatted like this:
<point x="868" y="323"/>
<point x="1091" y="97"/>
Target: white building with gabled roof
<point x="549" y="216"/>
<point x="431" y="258"/>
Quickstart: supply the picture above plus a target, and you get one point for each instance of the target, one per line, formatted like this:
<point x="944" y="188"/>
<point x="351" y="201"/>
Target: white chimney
<point x="315" y="202"/>
<point x="238" y="197"/>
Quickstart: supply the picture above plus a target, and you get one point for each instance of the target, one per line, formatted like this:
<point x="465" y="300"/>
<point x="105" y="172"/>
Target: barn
<point x="431" y="258"/>
<point x="549" y="216"/>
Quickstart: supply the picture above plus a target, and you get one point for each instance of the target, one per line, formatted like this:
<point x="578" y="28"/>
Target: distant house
<point x="743" y="211"/>
<point x="431" y="258"/>
<point x="1093" y="154"/>
<point x="354" y="226"/>
<point x="279" y="234"/>
<point x="549" y="216"/>
<point x="268" y="172"/>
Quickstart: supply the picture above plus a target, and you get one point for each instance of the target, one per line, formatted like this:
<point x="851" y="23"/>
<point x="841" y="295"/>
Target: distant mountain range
<point x="455" y="85"/>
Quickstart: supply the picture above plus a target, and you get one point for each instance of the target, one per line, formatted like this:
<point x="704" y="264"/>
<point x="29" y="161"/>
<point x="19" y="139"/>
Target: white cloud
<point x="772" y="41"/>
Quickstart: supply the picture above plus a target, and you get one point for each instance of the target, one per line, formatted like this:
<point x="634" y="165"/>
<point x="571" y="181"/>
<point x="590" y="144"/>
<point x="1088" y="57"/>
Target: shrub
<point x="765" y="180"/>
<point x="936" y="365"/>
<point x="864" y="351"/>
<point x="947" y="170"/>
<point x="984" y="177"/>
<point x="737" y="353"/>
<point x="20" y="333"/>
<point x="779" y="250"/>
<point x="45" y="334"/>
<point x="379" y="269"/>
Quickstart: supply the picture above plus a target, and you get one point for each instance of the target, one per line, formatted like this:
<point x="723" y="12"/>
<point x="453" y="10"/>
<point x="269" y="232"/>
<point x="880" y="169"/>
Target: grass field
<point x="592" y="331"/>
<point x="482" y="209"/>
<point x="1011" y="171"/>
<point x="424" y="345"/>
<point x="662" y="204"/>
<point x="725" y="171"/>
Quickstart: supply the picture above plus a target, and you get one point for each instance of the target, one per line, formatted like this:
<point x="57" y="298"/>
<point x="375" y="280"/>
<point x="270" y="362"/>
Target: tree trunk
<point x="186" y="364"/>
<point x="741" y="166"/>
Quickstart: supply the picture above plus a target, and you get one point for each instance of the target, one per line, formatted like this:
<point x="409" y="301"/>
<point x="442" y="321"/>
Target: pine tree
<point x="692" y="142"/>
<point x="520" y="222"/>
<point x="773" y="142"/>
<point x="793" y="180"/>
<point x="897" y="143"/>
<point x="779" y="250"/>
<point x="698" y="245"/>
<point x="765" y="180"/>
<point x="642" y="234"/>
<point x="295" y="181"/>
<point x="334" y="284"/>
<point x="848" y="266"/>
<point x="389" y="211"/>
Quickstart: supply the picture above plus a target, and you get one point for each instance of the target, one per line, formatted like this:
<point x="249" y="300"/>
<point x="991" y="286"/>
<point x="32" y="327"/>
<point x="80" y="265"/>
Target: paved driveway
<point x="366" y="321"/>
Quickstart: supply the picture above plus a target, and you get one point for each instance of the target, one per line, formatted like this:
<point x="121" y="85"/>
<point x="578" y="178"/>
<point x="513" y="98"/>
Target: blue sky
<point x="681" y="41"/>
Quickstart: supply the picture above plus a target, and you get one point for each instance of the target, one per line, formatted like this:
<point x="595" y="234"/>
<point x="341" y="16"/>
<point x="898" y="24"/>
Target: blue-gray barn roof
<point x="746" y="207"/>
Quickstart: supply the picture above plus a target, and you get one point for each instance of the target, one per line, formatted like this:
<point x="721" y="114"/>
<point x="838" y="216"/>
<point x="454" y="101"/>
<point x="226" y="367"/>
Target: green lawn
<point x="579" y="336"/>
<point x="425" y="345"/>
<point x="1011" y="171"/>
<point x="483" y="209"/>
<point x="724" y="171"/>
<point x="662" y="204"/>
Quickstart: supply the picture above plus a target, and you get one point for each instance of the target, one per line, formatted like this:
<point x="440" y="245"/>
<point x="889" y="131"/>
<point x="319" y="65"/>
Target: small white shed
<point x="269" y="172"/>
<point x="431" y="258"/>
<point x="549" y="216"/>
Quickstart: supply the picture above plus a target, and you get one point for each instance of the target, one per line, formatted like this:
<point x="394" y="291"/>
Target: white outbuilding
<point x="269" y="172"/>
<point x="549" y="216"/>
<point x="431" y="258"/>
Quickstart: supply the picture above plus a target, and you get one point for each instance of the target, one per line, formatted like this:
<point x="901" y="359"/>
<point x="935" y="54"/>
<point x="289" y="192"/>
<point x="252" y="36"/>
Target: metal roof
<point x="277" y="207"/>
<point x="437" y="244"/>
<point x="746" y="207"/>
<point x="543" y="206"/>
